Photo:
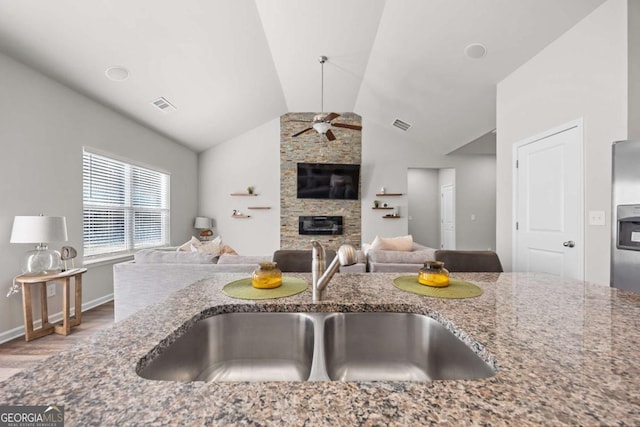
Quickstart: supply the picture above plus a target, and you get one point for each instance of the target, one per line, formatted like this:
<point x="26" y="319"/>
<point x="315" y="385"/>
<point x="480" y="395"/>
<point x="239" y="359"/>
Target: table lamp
<point x="40" y="230"/>
<point x="205" y="224"/>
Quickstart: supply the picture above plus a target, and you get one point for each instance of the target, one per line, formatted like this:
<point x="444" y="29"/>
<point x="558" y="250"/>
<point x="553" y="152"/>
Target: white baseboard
<point x="54" y="318"/>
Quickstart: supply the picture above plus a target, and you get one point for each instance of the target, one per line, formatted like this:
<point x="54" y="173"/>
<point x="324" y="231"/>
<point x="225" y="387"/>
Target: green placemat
<point x="244" y="290"/>
<point x="456" y="289"/>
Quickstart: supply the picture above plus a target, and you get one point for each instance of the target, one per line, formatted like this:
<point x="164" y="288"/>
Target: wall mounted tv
<point x="328" y="181"/>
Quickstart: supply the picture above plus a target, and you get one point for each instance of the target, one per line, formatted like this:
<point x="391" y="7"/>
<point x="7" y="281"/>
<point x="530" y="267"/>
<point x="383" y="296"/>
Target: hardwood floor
<point x="17" y="354"/>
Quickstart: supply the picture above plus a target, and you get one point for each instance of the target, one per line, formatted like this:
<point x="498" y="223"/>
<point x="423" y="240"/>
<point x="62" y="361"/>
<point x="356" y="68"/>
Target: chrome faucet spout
<point x="320" y="277"/>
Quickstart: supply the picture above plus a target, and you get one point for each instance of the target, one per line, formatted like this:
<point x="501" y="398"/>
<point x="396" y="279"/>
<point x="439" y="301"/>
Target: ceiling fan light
<point x="322" y="127"/>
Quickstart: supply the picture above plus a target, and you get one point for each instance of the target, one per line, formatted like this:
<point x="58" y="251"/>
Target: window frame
<point x="127" y="207"/>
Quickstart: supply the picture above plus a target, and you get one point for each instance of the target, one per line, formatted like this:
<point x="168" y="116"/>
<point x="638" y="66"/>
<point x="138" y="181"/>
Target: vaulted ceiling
<point x="229" y="66"/>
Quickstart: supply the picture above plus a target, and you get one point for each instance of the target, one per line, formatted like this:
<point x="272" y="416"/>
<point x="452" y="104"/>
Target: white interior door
<point x="447" y="217"/>
<point x="549" y="208"/>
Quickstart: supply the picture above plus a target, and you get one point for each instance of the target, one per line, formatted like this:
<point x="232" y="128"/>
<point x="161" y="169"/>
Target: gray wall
<point x="424" y="206"/>
<point x="43" y="127"/>
<point x="633" y="38"/>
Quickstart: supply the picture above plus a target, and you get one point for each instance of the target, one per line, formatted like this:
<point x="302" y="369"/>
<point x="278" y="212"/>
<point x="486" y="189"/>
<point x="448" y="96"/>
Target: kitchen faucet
<point x="320" y="277"/>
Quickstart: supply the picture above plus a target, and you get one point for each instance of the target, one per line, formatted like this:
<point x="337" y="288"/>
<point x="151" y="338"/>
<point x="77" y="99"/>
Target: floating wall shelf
<point x="241" y="216"/>
<point x="388" y="194"/>
<point x="382" y="207"/>
<point x="259" y="207"/>
<point x="391" y="216"/>
<point x="244" y="194"/>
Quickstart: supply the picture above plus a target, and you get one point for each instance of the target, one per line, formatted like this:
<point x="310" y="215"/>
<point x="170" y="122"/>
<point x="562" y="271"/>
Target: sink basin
<point x="239" y="347"/>
<point x="379" y="346"/>
<point x="396" y="347"/>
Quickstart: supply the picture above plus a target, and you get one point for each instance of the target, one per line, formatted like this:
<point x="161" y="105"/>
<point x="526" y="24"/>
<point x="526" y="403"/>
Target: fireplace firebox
<point x="320" y="225"/>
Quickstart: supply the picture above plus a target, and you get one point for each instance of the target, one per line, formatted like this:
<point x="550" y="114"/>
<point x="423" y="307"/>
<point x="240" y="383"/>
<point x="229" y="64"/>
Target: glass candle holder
<point x="434" y="274"/>
<point x="268" y="276"/>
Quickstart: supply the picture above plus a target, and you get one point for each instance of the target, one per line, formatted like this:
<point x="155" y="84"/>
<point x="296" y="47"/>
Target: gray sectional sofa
<point x="399" y="261"/>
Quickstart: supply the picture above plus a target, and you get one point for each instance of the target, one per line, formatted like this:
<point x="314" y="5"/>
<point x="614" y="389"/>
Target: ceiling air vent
<point x="402" y="125"/>
<point x="163" y="105"/>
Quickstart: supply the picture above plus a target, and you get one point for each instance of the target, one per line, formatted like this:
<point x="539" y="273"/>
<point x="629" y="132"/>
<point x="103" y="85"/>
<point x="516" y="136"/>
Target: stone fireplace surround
<point x="314" y="148"/>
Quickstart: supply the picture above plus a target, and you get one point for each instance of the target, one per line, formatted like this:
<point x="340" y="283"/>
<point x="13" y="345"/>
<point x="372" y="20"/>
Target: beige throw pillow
<point x="402" y="243"/>
<point x="212" y="247"/>
<point x="226" y="249"/>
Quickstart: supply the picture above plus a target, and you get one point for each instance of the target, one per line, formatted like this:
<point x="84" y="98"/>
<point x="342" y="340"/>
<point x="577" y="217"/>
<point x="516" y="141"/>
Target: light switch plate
<point x="597" y="218"/>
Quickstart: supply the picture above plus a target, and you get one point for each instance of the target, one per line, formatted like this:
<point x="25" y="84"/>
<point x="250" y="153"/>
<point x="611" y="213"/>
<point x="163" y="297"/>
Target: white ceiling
<point x="232" y="65"/>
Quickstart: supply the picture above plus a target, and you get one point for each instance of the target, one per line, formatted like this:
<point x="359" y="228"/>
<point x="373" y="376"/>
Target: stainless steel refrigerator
<point x="625" y="212"/>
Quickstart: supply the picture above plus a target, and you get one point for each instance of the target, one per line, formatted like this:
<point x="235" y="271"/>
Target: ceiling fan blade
<point x="344" y="125"/>
<point x="330" y="135"/>
<point x="301" y="132"/>
<point x="330" y="117"/>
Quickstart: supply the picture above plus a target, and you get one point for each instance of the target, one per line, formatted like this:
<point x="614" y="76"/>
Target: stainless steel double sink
<point x="372" y="346"/>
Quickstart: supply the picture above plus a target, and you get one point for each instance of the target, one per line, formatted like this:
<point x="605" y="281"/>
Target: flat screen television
<point x="328" y="181"/>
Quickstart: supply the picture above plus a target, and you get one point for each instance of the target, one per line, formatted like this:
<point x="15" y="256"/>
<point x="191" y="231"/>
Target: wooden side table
<point x="26" y="280"/>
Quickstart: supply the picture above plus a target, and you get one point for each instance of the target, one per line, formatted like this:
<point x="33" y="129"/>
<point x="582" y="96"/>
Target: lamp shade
<point x="39" y="229"/>
<point x="202" y="222"/>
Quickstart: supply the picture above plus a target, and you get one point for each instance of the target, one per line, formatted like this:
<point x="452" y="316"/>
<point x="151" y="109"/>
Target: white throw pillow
<point x="401" y="243"/>
<point x="212" y="247"/>
<point x="186" y="247"/>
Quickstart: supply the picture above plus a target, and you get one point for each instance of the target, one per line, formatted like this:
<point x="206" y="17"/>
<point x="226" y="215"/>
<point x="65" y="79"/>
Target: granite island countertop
<point x="567" y="352"/>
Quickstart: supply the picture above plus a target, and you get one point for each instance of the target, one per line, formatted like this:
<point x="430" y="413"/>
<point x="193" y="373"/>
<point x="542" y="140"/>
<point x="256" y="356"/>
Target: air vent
<point x="402" y="125"/>
<point x="163" y="105"/>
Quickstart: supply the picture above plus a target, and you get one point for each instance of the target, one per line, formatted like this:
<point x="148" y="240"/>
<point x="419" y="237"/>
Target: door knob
<point x="569" y="244"/>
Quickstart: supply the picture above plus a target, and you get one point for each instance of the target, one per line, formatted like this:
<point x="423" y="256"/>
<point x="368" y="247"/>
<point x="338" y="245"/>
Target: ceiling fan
<point x="321" y="123"/>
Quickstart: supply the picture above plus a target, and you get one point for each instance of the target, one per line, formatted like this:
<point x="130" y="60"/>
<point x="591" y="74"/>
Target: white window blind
<point x="125" y="206"/>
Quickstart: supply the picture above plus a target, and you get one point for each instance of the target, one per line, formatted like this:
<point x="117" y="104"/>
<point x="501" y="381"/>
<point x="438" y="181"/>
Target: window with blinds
<point x="125" y="206"/>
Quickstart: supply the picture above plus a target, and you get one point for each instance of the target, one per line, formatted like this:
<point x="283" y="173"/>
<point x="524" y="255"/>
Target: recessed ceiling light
<point x="475" y="51"/>
<point x="117" y="74"/>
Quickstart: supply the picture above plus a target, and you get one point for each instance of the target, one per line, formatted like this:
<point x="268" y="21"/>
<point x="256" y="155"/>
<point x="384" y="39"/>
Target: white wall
<point x="583" y="74"/>
<point x="386" y="157"/>
<point x="43" y="127"/>
<point x="424" y="206"/>
<point x="252" y="158"/>
<point x="634" y="68"/>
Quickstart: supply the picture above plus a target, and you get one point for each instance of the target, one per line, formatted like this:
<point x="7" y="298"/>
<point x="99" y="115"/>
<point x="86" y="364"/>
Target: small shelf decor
<point x="237" y="214"/>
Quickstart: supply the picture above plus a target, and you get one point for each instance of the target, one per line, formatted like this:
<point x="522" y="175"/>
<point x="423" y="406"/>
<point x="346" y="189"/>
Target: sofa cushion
<point x="413" y="257"/>
<point x="401" y="243"/>
<point x="150" y="256"/>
